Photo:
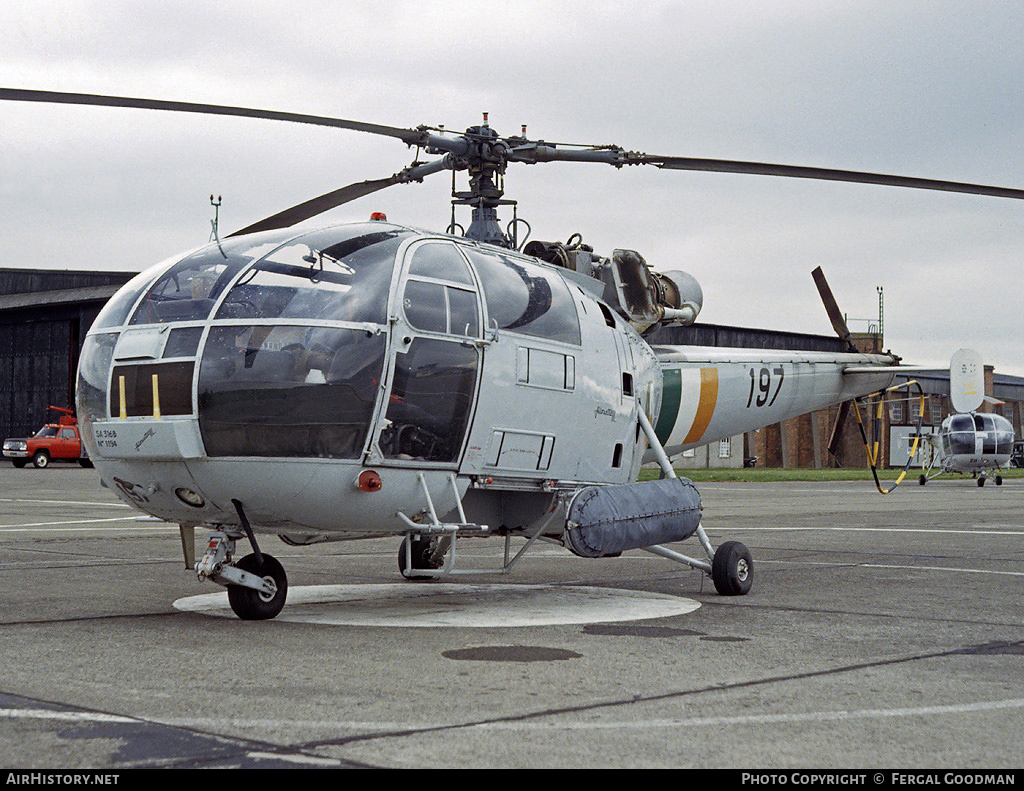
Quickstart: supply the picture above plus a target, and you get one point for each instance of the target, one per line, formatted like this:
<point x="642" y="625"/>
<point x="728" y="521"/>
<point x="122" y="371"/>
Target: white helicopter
<point x="968" y="441"/>
<point x="371" y="379"/>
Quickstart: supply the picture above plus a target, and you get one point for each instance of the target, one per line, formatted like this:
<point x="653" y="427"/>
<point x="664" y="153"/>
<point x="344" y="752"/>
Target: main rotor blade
<point x="826" y="174"/>
<point x="832" y="307"/>
<point x="410" y="136"/>
<point x="315" y="206"/>
<point x="310" y="208"/>
<point x="837" y="428"/>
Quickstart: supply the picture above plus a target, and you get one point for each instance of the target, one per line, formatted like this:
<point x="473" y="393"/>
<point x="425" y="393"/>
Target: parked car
<point x="1017" y="456"/>
<point x="58" y="441"/>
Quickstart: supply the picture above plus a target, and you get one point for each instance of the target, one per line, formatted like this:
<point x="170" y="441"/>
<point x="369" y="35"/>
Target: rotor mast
<point x="485" y="158"/>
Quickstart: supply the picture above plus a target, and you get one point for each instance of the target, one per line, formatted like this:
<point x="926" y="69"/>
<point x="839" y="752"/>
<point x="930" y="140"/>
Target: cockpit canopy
<point x="324" y="275"/>
<point x="962" y="433"/>
<point x="278" y="342"/>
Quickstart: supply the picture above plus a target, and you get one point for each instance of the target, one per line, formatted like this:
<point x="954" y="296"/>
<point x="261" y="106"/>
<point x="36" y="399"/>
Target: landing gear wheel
<point x="41" y="459"/>
<point x="422" y="548"/>
<point x="921" y="479"/>
<point x="981" y="481"/>
<point x="999" y="480"/>
<point x="732" y="569"/>
<point x="252" y="605"/>
<point x="19" y="463"/>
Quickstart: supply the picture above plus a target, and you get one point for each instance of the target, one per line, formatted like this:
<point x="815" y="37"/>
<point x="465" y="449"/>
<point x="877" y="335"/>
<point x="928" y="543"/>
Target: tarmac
<point x="881" y="632"/>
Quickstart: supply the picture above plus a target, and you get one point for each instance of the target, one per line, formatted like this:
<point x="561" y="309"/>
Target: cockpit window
<point x="430" y="402"/>
<point x="523" y="297"/>
<point x="115" y="312"/>
<point x="442" y="261"/>
<point x="288" y="390"/>
<point x="188" y="290"/>
<point x="319" y="276"/>
<point x="435" y="307"/>
<point x="961" y="423"/>
<point x="93" y="375"/>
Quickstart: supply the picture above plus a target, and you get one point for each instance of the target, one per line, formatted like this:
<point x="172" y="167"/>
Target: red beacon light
<point x="378" y="215"/>
<point x="369" y="481"/>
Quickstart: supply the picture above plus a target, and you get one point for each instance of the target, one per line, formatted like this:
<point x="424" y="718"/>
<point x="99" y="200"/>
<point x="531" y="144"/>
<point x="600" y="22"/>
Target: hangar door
<point x="37" y="366"/>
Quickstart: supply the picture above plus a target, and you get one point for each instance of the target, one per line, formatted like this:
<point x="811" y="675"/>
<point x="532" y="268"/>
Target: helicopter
<point x="969" y="441"/>
<point x="371" y="379"/>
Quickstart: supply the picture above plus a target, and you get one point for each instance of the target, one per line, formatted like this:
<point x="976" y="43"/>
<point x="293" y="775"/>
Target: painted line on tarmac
<point x="942" y="568"/>
<point x="65" y="716"/>
<point x="733" y="529"/>
<point x="33" y="527"/>
<point x="801" y="563"/>
<point x="768" y="719"/>
<point x="81" y="717"/>
<point x="61" y="502"/>
<point x="414" y="728"/>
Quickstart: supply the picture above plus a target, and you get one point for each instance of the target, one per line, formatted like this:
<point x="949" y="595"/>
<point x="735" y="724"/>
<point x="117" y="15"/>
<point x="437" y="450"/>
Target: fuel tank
<point x="604" y="521"/>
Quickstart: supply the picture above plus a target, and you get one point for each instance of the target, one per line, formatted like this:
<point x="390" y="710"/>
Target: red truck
<point x="58" y="441"/>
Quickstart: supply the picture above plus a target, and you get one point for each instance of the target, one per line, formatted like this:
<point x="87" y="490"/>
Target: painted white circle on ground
<point x="466" y="606"/>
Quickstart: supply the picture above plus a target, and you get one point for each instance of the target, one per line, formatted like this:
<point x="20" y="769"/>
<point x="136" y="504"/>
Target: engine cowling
<point x="680" y="295"/>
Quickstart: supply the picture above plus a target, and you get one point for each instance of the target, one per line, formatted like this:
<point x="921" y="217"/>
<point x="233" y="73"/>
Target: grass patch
<point x="770" y="474"/>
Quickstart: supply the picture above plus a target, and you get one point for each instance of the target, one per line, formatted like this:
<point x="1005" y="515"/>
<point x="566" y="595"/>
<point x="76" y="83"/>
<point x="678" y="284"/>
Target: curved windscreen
<point x="288" y="390"/>
<point x="93" y="377"/>
<point x="116" y="311"/>
<point x="338" y="274"/>
<point x="188" y="290"/>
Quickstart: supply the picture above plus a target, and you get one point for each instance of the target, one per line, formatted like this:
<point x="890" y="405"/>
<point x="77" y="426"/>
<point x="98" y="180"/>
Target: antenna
<point x="214" y="223"/>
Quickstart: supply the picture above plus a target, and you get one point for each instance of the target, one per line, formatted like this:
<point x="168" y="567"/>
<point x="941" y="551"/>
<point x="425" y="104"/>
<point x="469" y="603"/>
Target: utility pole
<point x="881" y="317"/>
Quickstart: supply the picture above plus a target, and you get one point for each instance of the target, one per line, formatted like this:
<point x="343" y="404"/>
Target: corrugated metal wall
<point x="35" y="358"/>
<point x="40" y="346"/>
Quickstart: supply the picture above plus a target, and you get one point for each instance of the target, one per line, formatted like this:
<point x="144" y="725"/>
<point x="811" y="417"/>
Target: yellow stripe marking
<point x="706" y="407"/>
<point x="124" y="407"/>
<point x="156" y="395"/>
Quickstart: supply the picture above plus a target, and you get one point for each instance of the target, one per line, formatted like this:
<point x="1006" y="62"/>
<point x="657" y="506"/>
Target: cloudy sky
<point x="928" y="89"/>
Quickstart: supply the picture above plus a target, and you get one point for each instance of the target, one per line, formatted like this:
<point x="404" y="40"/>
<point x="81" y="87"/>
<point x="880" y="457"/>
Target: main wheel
<point x="41" y="459"/>
<point x="999" y="480"/>
<point x="732" y="569"/>
<point x="981" y="481"/>
<point x="252" y="605"/>
<point x="921" y="479"/>
<point x="19" y="463"/>
<point x="422" y="547"/>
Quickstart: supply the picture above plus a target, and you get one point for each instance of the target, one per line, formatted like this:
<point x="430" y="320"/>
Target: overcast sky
<point x="928" y="89"/>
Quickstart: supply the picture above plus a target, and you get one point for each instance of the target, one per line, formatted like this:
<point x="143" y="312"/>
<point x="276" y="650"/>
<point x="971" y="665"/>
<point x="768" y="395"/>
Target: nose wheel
<point x="250" y="604"/>
<point x="418" y="552"/>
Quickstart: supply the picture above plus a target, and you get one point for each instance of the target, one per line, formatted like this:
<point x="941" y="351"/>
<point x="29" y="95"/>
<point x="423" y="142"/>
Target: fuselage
<point x="974" y="442"/>
<point x="274" y="368"/>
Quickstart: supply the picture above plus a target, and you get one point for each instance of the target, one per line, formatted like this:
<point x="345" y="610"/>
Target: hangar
<point x="45" y="315"/>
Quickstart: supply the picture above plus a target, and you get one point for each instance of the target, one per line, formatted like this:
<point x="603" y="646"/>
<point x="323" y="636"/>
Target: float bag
<point x="604" y="521"/>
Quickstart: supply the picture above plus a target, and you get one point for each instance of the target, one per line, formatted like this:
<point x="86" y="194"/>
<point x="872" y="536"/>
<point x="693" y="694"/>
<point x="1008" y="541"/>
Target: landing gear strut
<point x="419" y="552"/>
<point x="257" y="584"/>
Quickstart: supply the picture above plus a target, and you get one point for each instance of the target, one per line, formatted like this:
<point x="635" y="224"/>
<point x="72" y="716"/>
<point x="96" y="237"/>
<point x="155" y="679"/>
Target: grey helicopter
<point x="372" y="379"/>
<point x="969" y="441"/>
